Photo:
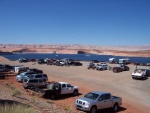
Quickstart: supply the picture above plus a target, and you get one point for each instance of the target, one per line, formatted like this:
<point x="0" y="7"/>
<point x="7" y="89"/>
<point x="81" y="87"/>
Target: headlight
<point x="87" y="104"/>
<point x="77" y="101"/>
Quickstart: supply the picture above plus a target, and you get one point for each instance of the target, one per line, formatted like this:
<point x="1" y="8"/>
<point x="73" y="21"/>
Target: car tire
<point x="115" y="107"/>
<point x="57" y="86"/>
<point x="53" y="96"/>
<point x="25" y="87"/>
<point x="75" y="93"/>
<point x="93" y="109"/>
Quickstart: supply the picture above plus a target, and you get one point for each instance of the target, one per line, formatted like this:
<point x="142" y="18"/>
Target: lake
<point x="81" y="57"/>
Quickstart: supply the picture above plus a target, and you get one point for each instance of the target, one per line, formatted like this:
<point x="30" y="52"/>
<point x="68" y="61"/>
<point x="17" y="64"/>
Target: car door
<point x="70" y="88"/>
<point x="104" y="101"/>
<point x="32" y="82"/>
<point x="41" y="83"/>
<point x="38" y="76"/>
<point x="100" y="102"/>
<point x="64" y="89"/>
<point x="107" y="101"/>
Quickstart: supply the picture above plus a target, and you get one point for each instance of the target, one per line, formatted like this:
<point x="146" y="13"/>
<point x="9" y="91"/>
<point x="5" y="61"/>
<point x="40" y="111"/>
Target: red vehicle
<point x="117" y="69"/>
<point x="121" y="68"/>
<point x="33" y="60"/>
<point x="50" y="61"/>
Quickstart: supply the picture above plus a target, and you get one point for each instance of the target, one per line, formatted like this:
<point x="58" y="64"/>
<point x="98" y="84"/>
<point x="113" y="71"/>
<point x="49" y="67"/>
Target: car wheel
<point x="93" y="109"/>
<point x="115" y="107"/>
<point x="75" y="93"/>
<point x="57" y="86"/>
<point x="25" y="87"/>
<point x="52" y="97"/>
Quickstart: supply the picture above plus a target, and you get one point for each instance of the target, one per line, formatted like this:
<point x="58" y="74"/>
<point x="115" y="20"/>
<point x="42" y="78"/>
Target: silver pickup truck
<point x="95" y="100"/>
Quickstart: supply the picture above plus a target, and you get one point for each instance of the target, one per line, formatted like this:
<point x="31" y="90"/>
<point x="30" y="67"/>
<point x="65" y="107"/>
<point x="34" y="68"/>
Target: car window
<point x="31" y="76"/>
<point x="38" y="76"/>
<point x="107" y="96"/>
<point x="30" y="73"/>
<point x="68" y="85"/>
<point x="41" y="81"/>
<point x="33" y="81"/>
<point x="63" y="85"/>
<point x="45" y="75"/>
<point x="22" y="74"/>
<point x="92" y="96"/>
<point x="102" y="97"/>
<point x="34" y="70"/>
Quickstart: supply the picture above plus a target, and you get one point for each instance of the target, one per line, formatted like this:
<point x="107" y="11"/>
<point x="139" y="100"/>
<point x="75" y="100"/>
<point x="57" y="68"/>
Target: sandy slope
<point x="3" y="58"/>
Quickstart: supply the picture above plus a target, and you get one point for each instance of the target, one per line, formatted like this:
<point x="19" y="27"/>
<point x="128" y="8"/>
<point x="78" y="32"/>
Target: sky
<point x="87" y="22"/>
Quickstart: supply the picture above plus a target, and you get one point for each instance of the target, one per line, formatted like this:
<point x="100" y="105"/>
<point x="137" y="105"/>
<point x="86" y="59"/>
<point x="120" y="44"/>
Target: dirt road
<point x="135" y="93"/>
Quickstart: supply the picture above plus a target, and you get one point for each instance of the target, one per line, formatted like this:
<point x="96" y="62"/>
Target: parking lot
<point x="135" y="93"/>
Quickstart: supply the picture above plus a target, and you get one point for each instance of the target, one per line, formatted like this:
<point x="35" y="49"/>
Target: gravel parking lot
<point x="135" y="93"/>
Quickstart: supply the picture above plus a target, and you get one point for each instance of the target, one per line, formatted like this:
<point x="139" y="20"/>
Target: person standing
<point x="136" y="66"/>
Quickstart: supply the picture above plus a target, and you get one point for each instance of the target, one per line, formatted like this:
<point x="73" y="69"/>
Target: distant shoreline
<point x="126" y="51"/>
<point x="122" y="54"/>
<point x="6" y="53"/>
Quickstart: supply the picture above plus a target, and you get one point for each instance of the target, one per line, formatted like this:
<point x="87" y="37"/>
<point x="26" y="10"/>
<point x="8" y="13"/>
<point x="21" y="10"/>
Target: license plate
<point x="79" y="106"/>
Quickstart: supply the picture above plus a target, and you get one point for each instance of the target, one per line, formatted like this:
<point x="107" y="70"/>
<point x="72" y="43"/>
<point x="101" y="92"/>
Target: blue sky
<point x="90" y="22"/>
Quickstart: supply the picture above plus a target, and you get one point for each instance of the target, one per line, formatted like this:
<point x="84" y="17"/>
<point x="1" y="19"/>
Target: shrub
<point x="34" y="99"/>
<point x="16" y="109"/>
<point x="12" y="87"/>
<point x="68" y="109"/>
<point x="8" y="84"/>
<point x="16" y="92"/>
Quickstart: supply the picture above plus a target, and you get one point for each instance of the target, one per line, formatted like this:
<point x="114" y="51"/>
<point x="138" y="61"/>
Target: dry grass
<point x="16" y="109"/>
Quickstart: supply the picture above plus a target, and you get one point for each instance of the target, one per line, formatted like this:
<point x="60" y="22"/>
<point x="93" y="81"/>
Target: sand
<point x="135" y="93"/>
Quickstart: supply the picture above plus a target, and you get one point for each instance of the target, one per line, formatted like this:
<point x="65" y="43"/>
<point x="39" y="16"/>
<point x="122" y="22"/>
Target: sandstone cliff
<point x="143" y="51"/>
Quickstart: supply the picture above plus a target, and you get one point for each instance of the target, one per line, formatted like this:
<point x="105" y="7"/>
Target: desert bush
<point x="8" y="84"/>
<point x="68" y="109"/>
<point x="16" y="109"/>
<point x="16" y="92"/>
<point x="12" y="87"/>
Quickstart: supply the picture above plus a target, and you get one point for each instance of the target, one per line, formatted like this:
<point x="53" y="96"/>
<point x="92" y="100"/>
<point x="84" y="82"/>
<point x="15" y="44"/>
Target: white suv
<point x="41" y="76"/>
<point x="139" y="73"/>
<point x="101" y="67"/>
<point x="36" y="82"/>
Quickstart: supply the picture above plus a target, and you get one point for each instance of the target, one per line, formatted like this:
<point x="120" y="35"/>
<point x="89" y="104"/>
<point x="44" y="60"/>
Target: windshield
<point x="139" y="70"/>
<point x="92" y="96"/>
<point x="22" y="74"/>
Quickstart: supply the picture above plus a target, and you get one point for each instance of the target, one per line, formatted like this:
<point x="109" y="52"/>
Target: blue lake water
<point x="81" y="57"/>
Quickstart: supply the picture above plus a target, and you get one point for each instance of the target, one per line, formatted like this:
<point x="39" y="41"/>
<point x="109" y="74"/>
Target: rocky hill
<point x="143" y="51"/>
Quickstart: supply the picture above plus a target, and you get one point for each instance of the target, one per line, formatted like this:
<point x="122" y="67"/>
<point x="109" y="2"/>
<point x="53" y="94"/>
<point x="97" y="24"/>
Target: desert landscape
<point x="119" y="84"/>
<point x="100" y="46"/>
<point x="138" y="51"/>
<point x="134" y="93"/>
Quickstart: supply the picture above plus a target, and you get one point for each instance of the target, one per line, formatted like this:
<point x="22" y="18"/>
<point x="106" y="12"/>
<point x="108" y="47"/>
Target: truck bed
<point x="48" y="90"/>
<point x="115" y="97"/>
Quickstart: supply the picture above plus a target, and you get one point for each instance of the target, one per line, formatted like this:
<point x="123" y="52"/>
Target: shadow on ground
<point x="142" y="79"/>
<point x="66" y="96"/>
<point x="109" y="110"/>
<point x="11" y="103"/>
